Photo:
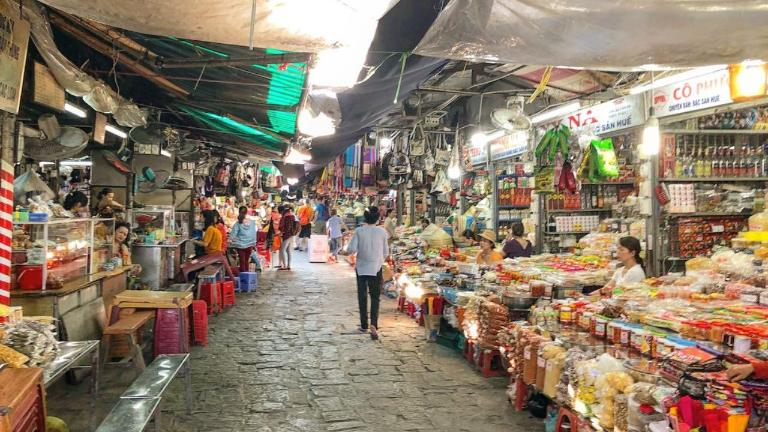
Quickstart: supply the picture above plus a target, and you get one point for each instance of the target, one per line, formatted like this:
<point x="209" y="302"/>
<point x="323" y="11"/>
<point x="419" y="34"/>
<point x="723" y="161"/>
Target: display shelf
<point x="566" y="233"/>
<point x="580" y="211"/>
<point x="707" y="214"/>
<point x="622" y="183"/>
<point x="515" y="207"/>
<point x="510" y="220"/>
<point x="505" y="176"/>
<point x="712" y="179"/>
<point x="714" y="132"/>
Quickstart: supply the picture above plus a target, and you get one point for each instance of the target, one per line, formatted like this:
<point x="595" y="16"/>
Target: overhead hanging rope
<point x="542" y="84"/>
<point x="403" y="59"/>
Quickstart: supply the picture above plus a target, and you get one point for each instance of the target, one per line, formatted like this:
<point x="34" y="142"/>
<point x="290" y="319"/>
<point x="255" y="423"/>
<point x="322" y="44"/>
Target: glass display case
<point x="47" y="255"/>
<point x="182" y="225"/>
<point x="103" y="235"/>
<point x="154" y="225"/>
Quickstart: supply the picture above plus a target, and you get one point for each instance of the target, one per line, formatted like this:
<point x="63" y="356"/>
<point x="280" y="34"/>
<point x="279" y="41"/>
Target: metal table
<point x="70" y="355"/>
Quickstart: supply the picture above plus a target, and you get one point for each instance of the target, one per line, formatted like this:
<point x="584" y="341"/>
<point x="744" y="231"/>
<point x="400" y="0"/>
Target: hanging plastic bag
<point x="605" y="159"/>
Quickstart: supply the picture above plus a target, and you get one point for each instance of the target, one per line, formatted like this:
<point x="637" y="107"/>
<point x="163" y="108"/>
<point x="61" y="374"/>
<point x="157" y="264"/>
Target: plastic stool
<point x="469" y="351"/>
<point x="565" y="417"/>
<point x="227" y="290"/>
<point x="249" y="281"/>
<point x="490" y="363"/>
<point x="209" y="293"/>
<point x="200" y="323"/>
<point x="171" y="331"/>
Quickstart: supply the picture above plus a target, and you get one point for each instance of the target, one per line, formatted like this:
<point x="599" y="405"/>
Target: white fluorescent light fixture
<point x="76" y="163"/>
<point x="165" y="153"/>
<point x="115" y="131"/>
<point x="295" y="156"/>
<point x="292" y="180"/>
<point x="692" y="73"/>
<point x="556" y="112"/>
<point x="480" y="139"/>
<point x="338" y="67"/>
<point x="42" y="164"/>
<point x="74" y="109"/>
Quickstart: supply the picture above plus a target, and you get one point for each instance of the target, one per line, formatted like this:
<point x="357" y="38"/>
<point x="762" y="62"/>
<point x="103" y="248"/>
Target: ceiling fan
<point x="512" y="118"/>
<point x="55" y="142"/>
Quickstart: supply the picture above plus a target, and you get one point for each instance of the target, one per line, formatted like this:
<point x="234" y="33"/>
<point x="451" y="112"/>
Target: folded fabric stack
<point x="723" y="393"/>
<point x="688" y="361"/>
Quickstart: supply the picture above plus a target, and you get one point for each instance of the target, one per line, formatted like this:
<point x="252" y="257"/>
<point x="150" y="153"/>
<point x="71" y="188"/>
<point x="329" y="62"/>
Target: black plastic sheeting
<point x="365" y="104"/>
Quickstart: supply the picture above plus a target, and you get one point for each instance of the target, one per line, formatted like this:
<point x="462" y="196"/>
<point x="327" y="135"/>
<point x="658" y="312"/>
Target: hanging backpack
<point x="383" y="174"/>
<point x="398" y="167"/>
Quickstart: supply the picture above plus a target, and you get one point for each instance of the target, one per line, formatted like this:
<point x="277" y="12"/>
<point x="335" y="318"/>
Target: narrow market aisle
<point x="289" y="358"/>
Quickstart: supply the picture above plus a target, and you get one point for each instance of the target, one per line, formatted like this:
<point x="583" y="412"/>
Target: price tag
<point x="718" y="228"/>
<point x="527" y="353"/>
<point x="542" y="362"/>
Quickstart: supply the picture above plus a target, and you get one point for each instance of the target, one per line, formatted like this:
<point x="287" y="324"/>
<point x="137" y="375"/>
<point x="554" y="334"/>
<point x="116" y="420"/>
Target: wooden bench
<point x="127" y="326"/>
<point x="140" y="403"/>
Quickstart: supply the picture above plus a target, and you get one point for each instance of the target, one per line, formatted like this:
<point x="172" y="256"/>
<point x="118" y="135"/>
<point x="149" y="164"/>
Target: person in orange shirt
<point x="758" y="370"/>
<point x="488" y="254"/>
<point x="305" y="214"/>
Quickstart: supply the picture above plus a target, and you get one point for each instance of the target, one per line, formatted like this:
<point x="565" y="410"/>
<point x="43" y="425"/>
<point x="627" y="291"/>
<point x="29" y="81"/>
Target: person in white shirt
<point x="336" y="229"/>
<point x="370" y="243"/>
<point x="628" y="252"/>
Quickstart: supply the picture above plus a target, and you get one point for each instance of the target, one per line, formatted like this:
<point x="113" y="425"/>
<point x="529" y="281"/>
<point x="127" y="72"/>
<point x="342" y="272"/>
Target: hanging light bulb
<point x="454" y="170"/>
<point x="651" y="137"/>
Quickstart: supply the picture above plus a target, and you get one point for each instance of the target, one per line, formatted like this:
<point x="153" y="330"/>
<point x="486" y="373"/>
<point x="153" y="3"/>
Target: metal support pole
<point x="432" y="204"/>
<point x="653" y="243"/>
<point x="411" y="208"/>
<point x="400" y="204"/>
<point x="494" y="197"/>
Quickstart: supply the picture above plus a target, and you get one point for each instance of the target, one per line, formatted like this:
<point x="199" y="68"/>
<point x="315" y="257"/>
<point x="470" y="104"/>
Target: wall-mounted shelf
<point x="580" y="211"/>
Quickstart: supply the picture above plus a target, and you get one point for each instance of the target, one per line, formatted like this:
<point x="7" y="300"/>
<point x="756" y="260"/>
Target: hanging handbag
<point x="442" y="154"/>
<point x="417" y="141"/>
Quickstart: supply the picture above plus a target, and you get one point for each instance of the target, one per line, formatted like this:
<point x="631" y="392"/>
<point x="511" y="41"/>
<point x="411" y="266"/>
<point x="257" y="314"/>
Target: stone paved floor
<point x="289" y="358"/>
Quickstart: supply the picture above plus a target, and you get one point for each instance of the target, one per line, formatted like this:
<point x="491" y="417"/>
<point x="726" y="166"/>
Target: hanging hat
<point x="488" y="235"/>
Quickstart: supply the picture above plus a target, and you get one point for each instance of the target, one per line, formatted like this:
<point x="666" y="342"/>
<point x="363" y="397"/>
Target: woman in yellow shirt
<point x="488" y="255"/>
<point x="212" y="239"/>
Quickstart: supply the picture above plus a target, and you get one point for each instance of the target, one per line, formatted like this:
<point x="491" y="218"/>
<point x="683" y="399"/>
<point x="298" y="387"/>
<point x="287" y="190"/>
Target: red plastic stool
<point x="210" y="293"/>
<point x="566" y="416"/>
<point x="490" y="363"/>
<point x="200" y="323"/>
<point x="171" y="331"/>
<point x="469" y="351"/>
<point x="401" y="304"/>
<point x="227" y="291"/>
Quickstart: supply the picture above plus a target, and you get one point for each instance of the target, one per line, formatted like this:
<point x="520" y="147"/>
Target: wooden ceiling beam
<point x="105" y="49"/>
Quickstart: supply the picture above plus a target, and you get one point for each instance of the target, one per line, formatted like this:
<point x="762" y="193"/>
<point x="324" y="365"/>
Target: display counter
<point x="159" y="262"/>
<point x="80" y="305"/>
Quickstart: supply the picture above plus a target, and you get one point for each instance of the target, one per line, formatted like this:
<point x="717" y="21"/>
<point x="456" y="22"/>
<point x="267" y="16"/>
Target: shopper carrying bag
<point x="370" y="244"/>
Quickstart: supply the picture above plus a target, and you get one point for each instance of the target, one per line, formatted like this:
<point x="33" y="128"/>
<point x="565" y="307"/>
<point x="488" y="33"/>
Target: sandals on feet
<point x="374" y="333"/>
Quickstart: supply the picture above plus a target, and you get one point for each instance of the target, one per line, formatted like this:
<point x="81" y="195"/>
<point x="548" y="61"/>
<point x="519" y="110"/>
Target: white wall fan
<point x="512" y="118"/>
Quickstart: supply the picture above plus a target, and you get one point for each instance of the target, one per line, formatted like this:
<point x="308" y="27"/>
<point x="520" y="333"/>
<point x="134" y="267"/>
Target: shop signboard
<point x="510" y="145"/>
<point x="478" y="154"/>
<point x="507" y="146"/>
<point x="705" y="91"/>
<point x="620" y="113"/>
<point x="14" y="35"/>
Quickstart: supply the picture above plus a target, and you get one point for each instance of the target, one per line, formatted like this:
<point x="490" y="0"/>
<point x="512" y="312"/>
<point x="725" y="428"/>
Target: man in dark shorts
<point x="305" y="214"/>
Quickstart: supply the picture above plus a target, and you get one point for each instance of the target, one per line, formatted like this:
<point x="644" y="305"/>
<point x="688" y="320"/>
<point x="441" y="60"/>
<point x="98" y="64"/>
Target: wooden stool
<point x="127" y="326"/>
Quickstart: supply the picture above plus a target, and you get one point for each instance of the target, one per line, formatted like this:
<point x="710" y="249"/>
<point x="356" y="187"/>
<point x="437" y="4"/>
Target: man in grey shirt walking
<point x="371" y="245"/>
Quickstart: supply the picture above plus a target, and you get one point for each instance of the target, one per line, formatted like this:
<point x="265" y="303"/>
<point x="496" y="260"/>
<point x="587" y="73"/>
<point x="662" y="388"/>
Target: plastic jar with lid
<point x="586" y="321"/>
<point x="626" y="336"/>
<point x="600" y="328"/>
<point x="566" y="314"/>
<point x="637" y="339"/>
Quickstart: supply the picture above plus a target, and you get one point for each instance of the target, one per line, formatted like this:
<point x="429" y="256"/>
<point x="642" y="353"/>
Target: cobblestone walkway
<point x="289" y="358"/>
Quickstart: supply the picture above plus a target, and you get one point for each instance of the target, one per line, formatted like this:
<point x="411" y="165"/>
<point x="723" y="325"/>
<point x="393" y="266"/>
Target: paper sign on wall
<point x="14" y="35"/>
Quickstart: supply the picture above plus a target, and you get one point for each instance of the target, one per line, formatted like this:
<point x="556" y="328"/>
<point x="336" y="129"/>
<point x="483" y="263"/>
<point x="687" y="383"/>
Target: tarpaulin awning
<point x="292" y="25"/>
<point x="599" y="34"/>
